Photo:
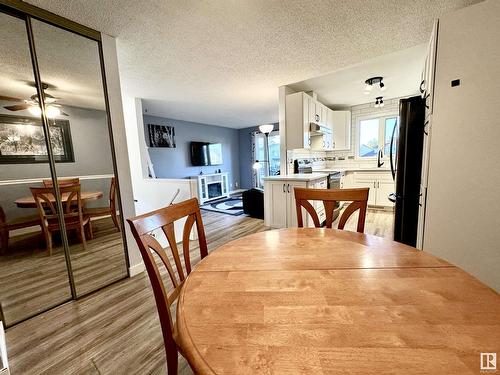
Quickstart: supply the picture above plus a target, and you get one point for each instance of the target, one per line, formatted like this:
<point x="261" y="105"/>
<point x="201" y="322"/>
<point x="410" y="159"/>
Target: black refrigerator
<point x="406" y="167"/>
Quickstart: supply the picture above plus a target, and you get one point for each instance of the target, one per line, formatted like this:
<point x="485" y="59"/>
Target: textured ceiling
<point x="222" y="62"/>
<point x="345" y="88"/>
<point x="68" y="63"/>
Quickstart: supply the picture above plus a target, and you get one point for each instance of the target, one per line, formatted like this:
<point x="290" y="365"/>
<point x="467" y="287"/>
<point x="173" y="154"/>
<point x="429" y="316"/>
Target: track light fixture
<point x="373" y="81"/>
<point x="379" y="102"/>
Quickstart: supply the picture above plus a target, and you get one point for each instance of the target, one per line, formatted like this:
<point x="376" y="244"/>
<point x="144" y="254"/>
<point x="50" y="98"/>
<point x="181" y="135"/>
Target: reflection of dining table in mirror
<point x="29" y="202"/>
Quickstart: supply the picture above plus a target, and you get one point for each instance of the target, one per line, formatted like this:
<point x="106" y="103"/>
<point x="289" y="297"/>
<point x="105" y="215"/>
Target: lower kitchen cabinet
<point x="380" y="184"/>
<point x="279" y="202"/>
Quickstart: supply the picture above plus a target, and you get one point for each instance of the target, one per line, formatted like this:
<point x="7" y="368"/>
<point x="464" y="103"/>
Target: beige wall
<point x="463" y="202"/>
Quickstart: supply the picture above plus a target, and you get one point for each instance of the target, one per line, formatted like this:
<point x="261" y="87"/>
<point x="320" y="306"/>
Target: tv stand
<point x="212" y="186"/>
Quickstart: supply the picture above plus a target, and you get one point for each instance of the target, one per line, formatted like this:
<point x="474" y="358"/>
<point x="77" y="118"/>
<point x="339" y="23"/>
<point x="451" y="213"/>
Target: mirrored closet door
<point x="60" y="217"/>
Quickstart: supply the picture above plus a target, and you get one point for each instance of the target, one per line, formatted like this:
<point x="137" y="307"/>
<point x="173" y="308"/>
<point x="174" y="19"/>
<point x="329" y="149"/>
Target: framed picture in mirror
<point x="22" y="140"/>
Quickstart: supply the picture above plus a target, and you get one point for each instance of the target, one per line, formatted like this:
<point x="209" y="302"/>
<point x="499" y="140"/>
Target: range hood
<point x="316" y="129"/>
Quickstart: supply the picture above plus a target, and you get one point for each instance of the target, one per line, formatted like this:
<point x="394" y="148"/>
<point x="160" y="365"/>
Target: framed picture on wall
<point x="22" y="140"/>
<point x="161" y="136"/>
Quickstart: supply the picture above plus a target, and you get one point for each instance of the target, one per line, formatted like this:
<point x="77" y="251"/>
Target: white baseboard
<point x="136" y="269"/>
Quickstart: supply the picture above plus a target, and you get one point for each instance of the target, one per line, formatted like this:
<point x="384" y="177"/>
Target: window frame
<point x="381" y="117"/>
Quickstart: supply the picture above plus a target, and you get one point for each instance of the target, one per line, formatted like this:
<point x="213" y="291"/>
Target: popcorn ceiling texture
<point x="221" y="62"/>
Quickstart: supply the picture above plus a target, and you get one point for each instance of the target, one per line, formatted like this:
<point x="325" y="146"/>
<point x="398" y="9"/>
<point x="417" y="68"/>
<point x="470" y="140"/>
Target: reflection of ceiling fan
<point x="51" y="107"/>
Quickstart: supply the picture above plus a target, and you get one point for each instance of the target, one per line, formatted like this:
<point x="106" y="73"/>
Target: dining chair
<point x="61" y="182"/>
<point x="106" y="210"/>
<point x="17" y="223"/>
<point x="74" y="218"/>
<point x="165" y="218"/>
<point x="357" y="197"/>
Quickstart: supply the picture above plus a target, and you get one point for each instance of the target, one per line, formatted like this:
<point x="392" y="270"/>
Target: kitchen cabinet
<point x="279" y="202"/>
<point x="340" y="123"/>
<point x="380" y="184"/>
<point x="299" y="107"/>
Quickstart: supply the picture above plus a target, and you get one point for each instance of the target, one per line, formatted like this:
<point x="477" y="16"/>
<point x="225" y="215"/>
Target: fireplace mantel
<point x="212" y="186"/>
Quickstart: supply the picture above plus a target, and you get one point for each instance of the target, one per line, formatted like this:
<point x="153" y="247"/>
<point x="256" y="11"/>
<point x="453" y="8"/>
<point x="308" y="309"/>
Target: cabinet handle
<point x="426" y="132"/>
<point x="288" y="188"/>
<point x="284" y="188"/>
<point x="374" y="184"/>
<point x="333" y="145"/>
<point x="378" y="184"/>
<point x="309" y="141"/>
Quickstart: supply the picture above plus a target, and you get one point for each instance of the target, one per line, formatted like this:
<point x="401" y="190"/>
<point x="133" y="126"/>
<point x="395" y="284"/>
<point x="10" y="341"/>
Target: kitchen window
<point x="375" y="134"/>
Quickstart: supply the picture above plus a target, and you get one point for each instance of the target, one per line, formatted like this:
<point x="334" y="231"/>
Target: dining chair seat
<point x="72" y="213"/>
<point x="109" y="210"/>
<point x="9" y="225"/>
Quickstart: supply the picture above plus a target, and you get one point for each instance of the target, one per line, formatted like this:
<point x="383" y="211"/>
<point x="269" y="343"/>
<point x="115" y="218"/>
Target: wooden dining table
<point x="29" y="202"/>
<point x="325" y="301"/>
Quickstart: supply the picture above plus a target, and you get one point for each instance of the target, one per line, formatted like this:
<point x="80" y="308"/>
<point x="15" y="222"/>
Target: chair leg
<point x="4" y="241"/>
<point x="81" y="234"/>
<point x="88" y="230"/>
<point x="114" y="217"/>
<point x="48" y="242"/>
<point x="172" y="361"/>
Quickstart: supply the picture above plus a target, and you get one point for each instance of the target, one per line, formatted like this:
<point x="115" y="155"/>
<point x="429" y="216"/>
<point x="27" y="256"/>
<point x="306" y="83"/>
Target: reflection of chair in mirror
<point x="17" y="223"/>
<point x="74" y="218"/>
<point x="106" y="210"/>
<point x="62" y="182"/>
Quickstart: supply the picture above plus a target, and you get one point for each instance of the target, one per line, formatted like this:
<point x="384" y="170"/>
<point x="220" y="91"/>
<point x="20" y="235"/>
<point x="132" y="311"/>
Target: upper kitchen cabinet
<point x="299" y="107"/>
<point x="332" y="129"/>
<point x="340" y="123"/>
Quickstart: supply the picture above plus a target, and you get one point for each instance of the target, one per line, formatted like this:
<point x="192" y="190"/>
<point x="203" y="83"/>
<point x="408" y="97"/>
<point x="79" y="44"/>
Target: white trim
<point x="381" y="117"/>
<point x="4" y="363"/>
<point x="136" y="269"/>
<point x="40" y="179"/>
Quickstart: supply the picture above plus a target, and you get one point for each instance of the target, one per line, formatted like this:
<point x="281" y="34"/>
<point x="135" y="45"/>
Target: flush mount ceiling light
<point x="373" y="81"/>
<point x="379" y="102"/>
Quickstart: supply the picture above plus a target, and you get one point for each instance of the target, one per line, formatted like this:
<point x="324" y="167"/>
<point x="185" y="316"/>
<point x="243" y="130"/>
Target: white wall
<point x="463" y="199"/>
<point x="123" y="158"/>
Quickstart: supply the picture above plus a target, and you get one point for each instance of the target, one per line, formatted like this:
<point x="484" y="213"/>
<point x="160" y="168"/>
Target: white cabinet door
<point x="279" y="204"/>
<point x="341" y="125"/>
<point x="291" y="208"/>
<point x="297" y="107"/>
<point x="384" y="188"/>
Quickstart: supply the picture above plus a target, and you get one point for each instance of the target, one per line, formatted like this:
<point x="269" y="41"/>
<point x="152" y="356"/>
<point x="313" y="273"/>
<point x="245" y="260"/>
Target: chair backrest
<point x="62" y="182"/>
<point x="46" y="204"/>
<point x="357" y="197"/>
<point x="165" y="218"/>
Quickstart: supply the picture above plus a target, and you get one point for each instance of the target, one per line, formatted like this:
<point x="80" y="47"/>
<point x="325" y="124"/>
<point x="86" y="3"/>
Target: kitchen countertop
<point x="352" y="169"/>
<point x="297" y="177"/>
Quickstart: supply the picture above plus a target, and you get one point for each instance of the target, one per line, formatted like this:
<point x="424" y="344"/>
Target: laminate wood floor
<point x="116" y="330"/>
<point x="32" y="281"/>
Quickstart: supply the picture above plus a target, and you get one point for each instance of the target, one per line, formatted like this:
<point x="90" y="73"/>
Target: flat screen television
<point x="204" y="153"/>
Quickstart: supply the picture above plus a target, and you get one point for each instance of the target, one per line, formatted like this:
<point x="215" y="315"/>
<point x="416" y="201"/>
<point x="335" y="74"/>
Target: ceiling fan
<point x="51" y="107"/>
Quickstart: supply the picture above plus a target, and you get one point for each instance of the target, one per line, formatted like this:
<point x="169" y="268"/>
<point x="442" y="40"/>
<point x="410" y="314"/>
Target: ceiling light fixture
<point x="379" y="102"/>
<point x="372" y="81"/>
